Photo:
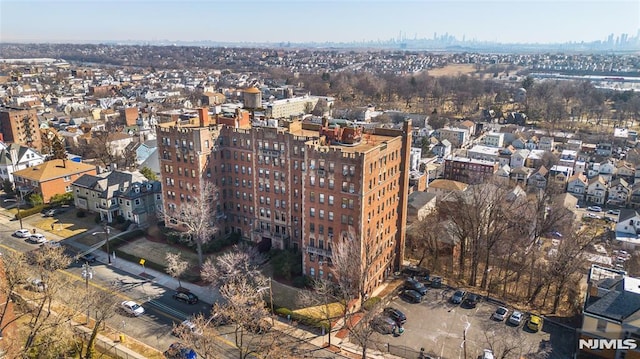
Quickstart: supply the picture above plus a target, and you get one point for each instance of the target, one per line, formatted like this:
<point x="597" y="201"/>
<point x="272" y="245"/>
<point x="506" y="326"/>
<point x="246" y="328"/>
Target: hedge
<point x="30" y="211"/>
<point x="371" y="302"/>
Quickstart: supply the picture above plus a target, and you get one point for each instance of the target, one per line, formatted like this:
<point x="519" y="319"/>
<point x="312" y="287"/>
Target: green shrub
<point x="286" y="264"/>
<point x="302" y="282"/>
<point x="371" y="302"/>
<point x="283" y="312"/>
<point x="29" y="211"/>
<point x="59" y="199"/>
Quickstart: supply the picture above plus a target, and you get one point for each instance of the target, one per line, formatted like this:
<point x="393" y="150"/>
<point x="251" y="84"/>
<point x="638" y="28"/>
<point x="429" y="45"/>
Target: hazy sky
<point x="508" y="21"/>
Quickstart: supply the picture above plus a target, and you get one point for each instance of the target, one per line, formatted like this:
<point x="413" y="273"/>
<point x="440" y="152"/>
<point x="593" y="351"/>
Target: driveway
<point x="439" y="327"/>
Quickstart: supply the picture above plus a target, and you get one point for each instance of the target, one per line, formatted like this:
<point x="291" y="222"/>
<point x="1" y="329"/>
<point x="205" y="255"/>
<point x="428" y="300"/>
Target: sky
<point x="274" y="21"/>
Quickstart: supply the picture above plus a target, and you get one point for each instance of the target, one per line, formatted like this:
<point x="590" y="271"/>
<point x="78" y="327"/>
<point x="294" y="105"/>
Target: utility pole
<point x="87" y="273"/>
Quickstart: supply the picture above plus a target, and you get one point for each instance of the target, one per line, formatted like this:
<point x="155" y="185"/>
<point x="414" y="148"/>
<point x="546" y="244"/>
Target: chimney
<point x="203" y="115"/>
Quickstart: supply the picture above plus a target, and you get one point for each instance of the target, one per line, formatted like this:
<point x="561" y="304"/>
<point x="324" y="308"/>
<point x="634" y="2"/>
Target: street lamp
<point x="106" y="232"/>
<point x="260" y="290"/>
<point x="87" y="273"/>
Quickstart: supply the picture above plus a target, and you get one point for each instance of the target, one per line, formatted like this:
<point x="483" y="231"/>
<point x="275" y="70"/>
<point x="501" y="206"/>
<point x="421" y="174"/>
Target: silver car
<point x="515" y="318"/>
<point x="500" y="314"/>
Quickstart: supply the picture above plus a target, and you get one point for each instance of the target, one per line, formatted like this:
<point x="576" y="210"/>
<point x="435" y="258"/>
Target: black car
<point x="89" y="258"/>
<point x="416" y="286"/>
<point x="396" y="315"/>
<point x="186" y="297"/>
<point x="458" y="296"/>
<point x="411" y="296"/>
<point x="471" y="300"/>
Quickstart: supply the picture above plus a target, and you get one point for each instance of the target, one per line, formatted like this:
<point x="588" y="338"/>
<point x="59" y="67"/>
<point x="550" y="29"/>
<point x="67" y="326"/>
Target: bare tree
<point x="366" y="327"/>
<point x="175" y="266"/>
<point x="104" y="303"/>
<point x="324" y="298"/>
<point x="15" y="273"/>
<point x="423" y="238"/>
<point x="195" y="218"/>
<point x="243" y="305"/>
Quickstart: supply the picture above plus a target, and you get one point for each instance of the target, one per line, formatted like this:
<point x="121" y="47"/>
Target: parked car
<point x="500" y="314"/>
<point x="396" y="315"/>
<point x="53" y="211"/>
<point x="471" y="300"/>
<point x="594" y="209"/>
<point x="414" y="285"/>
<point x="179" y="351"/>
<point x="515" y="318"/>
<point x="186" y="327"/>
<point x="88" y="257"/>
<point x="186" y="297"/>
<point x="384" y="325"/>
<point x="37" y="238"/>
<point x="458" y="296"/>
<point x="22" y="233"/>
<point x="132" y="308"/>
<point x="36" y="285"/>
<point x="436" y="282"/>
<point x="487" y="354"/>
<point x="614" y="212"/>
<point x="411" y="296"/>
<point x="51" y="244"/>
<point x="534" y="323"/>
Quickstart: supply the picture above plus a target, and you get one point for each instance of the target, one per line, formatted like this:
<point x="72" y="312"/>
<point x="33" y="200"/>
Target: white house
<point x="519" y="158"/>
<point x="577" y="186"/>
<point x="494" y="139"/>
<point x="628" y="228"/>
<point x="596" y="190"/>
<point x="15" y="157"/>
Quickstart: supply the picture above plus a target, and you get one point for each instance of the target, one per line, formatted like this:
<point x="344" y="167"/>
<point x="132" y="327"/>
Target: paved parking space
<point x="439" y="327"/>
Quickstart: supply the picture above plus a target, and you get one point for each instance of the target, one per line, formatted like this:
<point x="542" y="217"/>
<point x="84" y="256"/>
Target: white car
<point x="22" y="233"/>
<point x="38" y="238"/>
<point x="500" y="314"/>
<point x="515" y="318"/>
<point x="487" y="354"/>
<point x="132" y="308"/>
<point x="186" y="327"/>
<point x="594" y="209"/>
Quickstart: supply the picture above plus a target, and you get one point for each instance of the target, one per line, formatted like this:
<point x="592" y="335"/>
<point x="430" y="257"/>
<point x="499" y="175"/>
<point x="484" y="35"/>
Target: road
<point x="162" y="311"/>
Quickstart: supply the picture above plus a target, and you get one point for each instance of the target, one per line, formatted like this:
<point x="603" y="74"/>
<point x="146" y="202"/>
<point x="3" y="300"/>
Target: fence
<point x="108" y="347"/>
<point x="408" y="353"/>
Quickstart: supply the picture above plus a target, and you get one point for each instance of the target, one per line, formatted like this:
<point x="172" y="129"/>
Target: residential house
<point x="634" y="199"/>
<point x="559" y="175"/>
<point x="604" y="149"/>
<point x="534" y="160"/>
<point x="442" y="149"/>
<point x="546" y="143"/>
<point x="520" y="176"/>
<point x="118" y="193"/>
<point x="577" y="186"/>
<point x="619" y="193"/>
<point x="532" y="144"/>
<point x="51" y="177"/>
<point x="596" y="190"/>
<point x="519" y="158"/>
<point x="568" y="158"/>
<point x="611" y="311"/>
<point x="15" y="157"/>
<point x="539" y="178"/>
<point x="494" y="139"/>
<point x="503" y="174"/>
<point x="504" y="155"/>
<point x="625" y="170"/>
<point x="444" y="187"/>
<point x="145" y="149"/>
<point x="573" y="145"/>
<point x="607" y="170"/>
<point x="458" y="137"/>
<point x="420" y="205"/>
<point x="519" y="143"/>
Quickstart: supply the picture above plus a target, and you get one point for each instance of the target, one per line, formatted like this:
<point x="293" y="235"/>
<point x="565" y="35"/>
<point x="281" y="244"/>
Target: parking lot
<point x="438" y="326"/>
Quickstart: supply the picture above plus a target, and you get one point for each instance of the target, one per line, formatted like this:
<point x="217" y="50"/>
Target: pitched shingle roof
<point x="53" y="169"/>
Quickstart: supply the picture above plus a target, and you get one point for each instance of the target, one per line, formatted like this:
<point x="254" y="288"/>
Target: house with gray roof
<point x="113" y="194"/>
<point x="611" y="311"/>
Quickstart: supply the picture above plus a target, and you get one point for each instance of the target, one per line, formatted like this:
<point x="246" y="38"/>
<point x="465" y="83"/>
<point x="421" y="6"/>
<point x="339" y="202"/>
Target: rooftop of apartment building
<point x="613" y="294"/>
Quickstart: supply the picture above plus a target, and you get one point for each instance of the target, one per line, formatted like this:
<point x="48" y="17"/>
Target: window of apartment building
<point x="352" y="170"/>
<point x="295" y="179"/>
<point x="331" y="200"/>
<point x="331" y="167"/>
<point x="345" y="170"/>
<point x="267" y="187"/>
<point x="283" y="204"/>
<point x="193" y="173"/>
<point x="296" y="207"/>
<point x="312" y="212"/>
<point x="68" y="189"/>
<point x="295" y="165"/>
<point x="321" y="214"/>
<point x="331" y="184"/>
<point x="345" y="202"/>
<point x="312" y="196"/>
<point x="312" y="180"/>
<point x="268" y="201"/>
<point x="67" y="178"/>
<point x="343" y="219"/>
<point x="206" y="143"/>
<point x="277" y="203"/>
<point x="345" y="186"/>
<point x="321" y="182"/>
<point x="283" y="190"/>
<point x="312" y="228"/>
<point x="602" y="325"/>
<point x="351" y="220"/>
<point x="352" y="188"/>
<point x="350" y="204"/>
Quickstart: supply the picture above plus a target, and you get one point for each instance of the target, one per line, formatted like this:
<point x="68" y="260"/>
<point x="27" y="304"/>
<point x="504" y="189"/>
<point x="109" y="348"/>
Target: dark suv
<point x="186" y="297"/>
<point x="471" y="300"/>
<point x="396" y="315"/>
<point x="415" y="285"/>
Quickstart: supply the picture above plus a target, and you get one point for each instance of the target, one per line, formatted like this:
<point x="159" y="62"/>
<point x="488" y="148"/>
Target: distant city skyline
<point x="307" y="21"/>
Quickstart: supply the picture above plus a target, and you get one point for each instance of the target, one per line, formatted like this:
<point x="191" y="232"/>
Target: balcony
<point x="318" y="251"/>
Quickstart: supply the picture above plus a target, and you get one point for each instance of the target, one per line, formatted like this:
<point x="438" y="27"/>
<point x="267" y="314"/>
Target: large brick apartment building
<point x="294" y="185"/>
<point x="18" y="125"/>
